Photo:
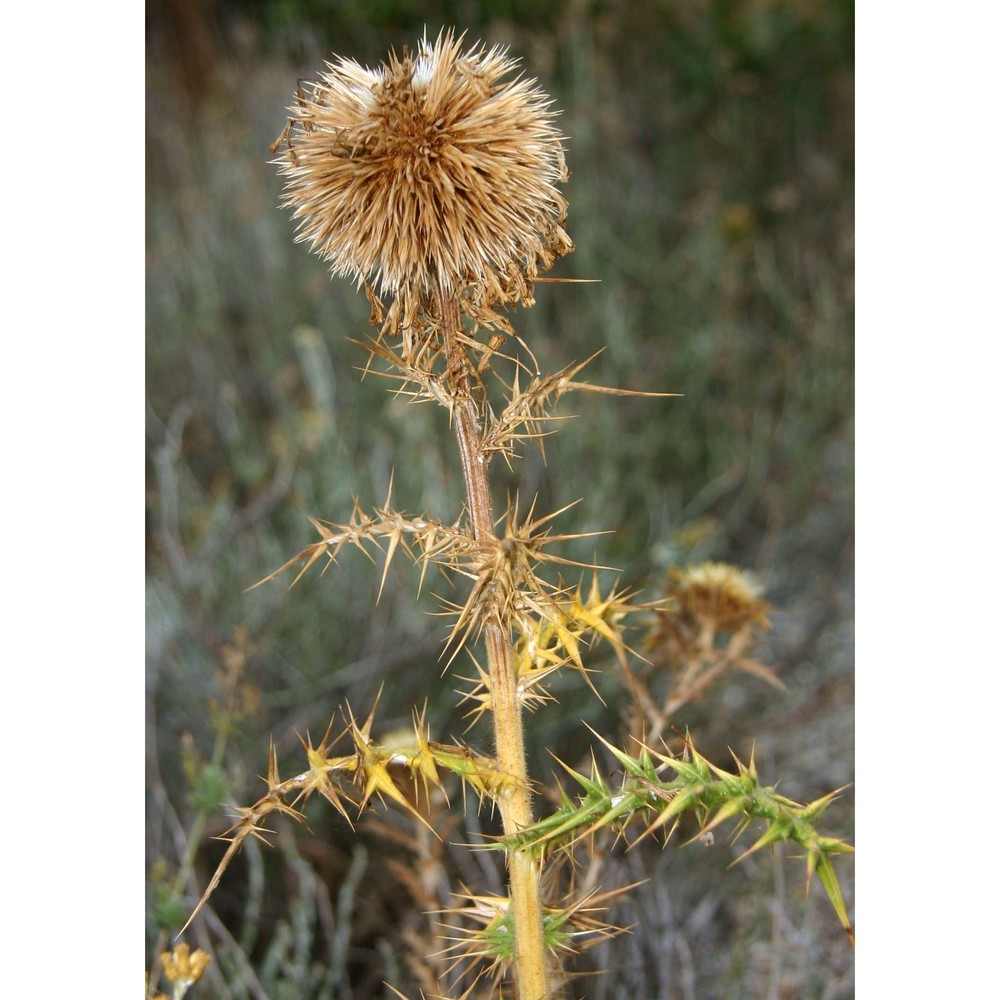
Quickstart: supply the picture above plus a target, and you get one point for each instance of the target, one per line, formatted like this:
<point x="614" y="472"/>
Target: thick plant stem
<point x="523" y="870"/>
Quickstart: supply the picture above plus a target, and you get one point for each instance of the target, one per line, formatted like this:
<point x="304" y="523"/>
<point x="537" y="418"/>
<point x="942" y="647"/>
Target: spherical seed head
<point x="428" y="172"/>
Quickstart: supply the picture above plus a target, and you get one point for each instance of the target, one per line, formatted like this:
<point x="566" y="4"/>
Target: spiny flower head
<point x="429" y="171"/>
<point x="724" y="595"/>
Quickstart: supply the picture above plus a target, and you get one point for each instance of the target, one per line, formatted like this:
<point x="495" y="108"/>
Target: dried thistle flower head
<point x="428" y="171"/>
<point x="724" y="595"/>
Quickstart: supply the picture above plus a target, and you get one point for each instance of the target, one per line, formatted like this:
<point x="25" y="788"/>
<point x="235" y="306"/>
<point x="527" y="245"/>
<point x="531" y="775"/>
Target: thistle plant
<point x="432" y="181"/>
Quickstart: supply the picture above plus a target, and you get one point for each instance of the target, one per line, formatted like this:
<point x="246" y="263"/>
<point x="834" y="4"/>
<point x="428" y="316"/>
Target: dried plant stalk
<point x="515" y="805"/>
<point x="435" y="179"/>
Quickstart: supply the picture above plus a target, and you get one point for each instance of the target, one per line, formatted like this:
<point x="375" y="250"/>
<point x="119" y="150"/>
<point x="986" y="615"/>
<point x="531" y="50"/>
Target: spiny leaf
<point x="828" y="877"/>
<point x="713" y="794"/>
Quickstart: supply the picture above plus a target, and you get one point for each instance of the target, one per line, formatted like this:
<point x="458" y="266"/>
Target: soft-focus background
<point x="711" y="150"/>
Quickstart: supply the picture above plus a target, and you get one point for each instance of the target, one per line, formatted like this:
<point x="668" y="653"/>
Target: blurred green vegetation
<point x="711" y="150"/>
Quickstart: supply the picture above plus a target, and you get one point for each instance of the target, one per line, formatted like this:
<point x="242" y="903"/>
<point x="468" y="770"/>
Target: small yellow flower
<point x="184" y="967"/>
<point x="429" y="172"/>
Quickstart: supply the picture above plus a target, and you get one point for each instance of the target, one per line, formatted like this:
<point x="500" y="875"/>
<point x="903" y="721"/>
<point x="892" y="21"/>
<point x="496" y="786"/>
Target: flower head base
<point x="429" y="172"/>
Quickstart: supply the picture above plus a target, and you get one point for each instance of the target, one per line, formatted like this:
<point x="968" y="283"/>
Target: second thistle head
<point x="435" y="171"/>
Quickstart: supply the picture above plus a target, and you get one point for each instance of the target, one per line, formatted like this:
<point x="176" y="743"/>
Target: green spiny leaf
<point x="824" y="868"/>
